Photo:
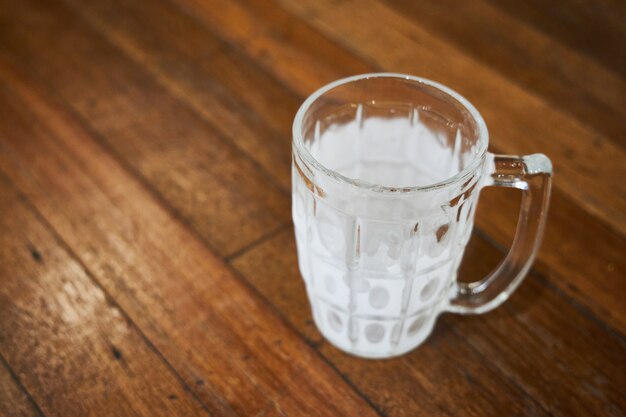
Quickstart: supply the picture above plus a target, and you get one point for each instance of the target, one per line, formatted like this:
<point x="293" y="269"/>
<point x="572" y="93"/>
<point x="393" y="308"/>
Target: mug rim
<point x="303" y="152"/>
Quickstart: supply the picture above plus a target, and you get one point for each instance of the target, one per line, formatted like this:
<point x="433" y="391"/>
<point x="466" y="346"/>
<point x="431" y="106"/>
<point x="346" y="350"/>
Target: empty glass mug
<point x="387" y="169"/>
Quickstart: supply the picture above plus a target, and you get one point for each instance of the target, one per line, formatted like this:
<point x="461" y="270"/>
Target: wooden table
<point x="147" y="259"/>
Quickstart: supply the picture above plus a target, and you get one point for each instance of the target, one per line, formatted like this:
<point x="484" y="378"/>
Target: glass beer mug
<point x="387" y="170"/>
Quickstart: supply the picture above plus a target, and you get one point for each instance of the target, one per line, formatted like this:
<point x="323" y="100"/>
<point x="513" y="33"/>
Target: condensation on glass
<point x="387" y="170"/>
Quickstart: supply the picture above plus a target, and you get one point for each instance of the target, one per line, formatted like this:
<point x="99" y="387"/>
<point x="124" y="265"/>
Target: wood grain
<point x="595" y="27"/>
<point x="564" y="77"/>
<point x="13" y="400"/>
<point x="519" y="122"/>
<point x="129" y="30"/>
<point x="416" y="384"/>
<point x="544" y="127"/>
<point x="147" y="260"/>
<point x="70" y="346"/>
<point x="246" y="105"/>
<point x="227" y="344"/>
<point x="501" y="352"/>
<point x="567" y="258"/>
<point x="162" y="139"/>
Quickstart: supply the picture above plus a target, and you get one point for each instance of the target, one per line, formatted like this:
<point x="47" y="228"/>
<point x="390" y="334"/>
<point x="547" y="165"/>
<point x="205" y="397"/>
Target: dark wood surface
<point x="147" y="261"/>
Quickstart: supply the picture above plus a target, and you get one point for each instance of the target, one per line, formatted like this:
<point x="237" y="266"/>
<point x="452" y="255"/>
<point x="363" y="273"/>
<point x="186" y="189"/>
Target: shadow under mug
<point x="387" y="171"/>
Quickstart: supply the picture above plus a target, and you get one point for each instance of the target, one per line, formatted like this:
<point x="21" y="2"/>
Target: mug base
<point x="378" y="353"/>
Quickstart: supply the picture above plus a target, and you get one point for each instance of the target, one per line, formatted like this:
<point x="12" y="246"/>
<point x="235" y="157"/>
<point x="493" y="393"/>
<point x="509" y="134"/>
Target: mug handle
<point x="533" y="175"/>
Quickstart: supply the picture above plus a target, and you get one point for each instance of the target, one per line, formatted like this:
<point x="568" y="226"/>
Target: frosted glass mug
<point x="387" y="171"/>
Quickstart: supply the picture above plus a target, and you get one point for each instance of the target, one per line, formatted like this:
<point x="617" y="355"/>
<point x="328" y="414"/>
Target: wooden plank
<point x="300" y="58"/>
<point x="550" y="333"/>
<point x="519" y="122"/>
<point x="72" y="348"/>
<point x="595" y="27"/>
<point x="238" y="356"/>
<point x="246" y="105"/>
<point x="444" y="377"/>
<point x="579" y="255"/>
<point x="536" y="347"/>
<point x="567" y="258"/>
<point x="561" y="246"/>
<point x="553" y="347"/>
<point x="13" y="400"/>
<point x="440" y="402"/>
<point x="566" y="78"/>
<point x="154" y="38"/>
<point x="192" y="64"/>
<point x="186" y="159"/>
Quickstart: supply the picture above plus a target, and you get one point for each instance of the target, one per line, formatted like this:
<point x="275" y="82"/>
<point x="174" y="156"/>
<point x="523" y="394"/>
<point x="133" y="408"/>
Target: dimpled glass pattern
<point x="386" y="177"/>
<point x="375" y="284"/>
